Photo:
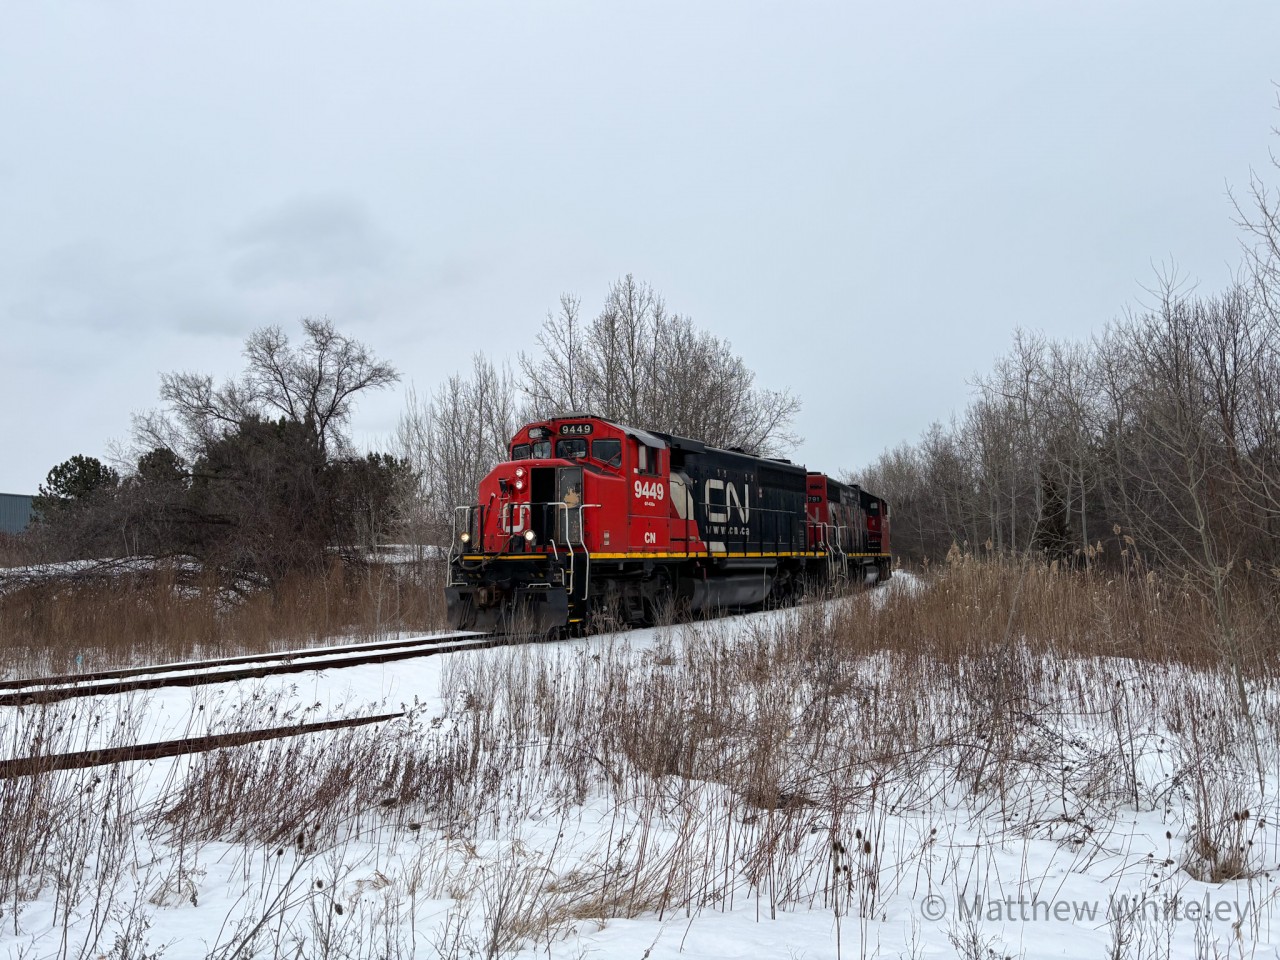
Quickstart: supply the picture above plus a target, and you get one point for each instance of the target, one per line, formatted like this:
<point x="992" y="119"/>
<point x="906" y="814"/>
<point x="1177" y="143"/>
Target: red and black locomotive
<point x="591" y="520"/>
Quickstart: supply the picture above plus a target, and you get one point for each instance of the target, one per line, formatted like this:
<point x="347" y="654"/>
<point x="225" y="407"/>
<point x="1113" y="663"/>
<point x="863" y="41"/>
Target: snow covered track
<point x="26" y="766"/>
<point x="198" y="673"/>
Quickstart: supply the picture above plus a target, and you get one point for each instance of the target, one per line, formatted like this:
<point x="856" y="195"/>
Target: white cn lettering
<point x="716" y="513"/>
<point x="719" y="512"/>
<point x="650" y="538"/>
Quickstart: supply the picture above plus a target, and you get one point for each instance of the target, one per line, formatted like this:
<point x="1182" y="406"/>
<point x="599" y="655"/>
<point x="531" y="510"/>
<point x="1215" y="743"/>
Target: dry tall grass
<point x="979" y="606"/>
<point x="70" y="624"/>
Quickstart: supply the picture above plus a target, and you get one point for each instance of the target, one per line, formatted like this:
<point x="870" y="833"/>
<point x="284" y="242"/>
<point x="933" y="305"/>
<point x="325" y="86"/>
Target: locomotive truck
<point x="591" y="520"/>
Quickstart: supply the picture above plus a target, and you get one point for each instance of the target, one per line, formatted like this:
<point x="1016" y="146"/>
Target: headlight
<point x="519" y="484"/>
<point x="529" y="536"/>
<point x="465" y="538"/>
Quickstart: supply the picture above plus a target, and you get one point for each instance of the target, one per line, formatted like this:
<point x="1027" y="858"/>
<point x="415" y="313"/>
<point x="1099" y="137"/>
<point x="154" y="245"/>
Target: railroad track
<point x="29" y="766"/>
<point x="194" y="673"/>
<point x="43" y="690"/>
<point x="198" y="673"/>
<point x="53" y="689"/>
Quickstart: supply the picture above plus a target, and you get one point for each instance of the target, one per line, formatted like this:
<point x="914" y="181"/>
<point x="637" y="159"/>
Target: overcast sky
<point x="865" y="199"/>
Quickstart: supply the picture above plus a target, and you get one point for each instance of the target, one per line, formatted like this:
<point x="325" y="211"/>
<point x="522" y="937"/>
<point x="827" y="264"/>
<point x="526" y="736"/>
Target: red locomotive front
<point x="576" y="490"/>
<point x="580" y="483"/>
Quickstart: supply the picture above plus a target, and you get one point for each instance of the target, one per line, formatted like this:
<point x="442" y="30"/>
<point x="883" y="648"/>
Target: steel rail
<point x="199" y="675"/>
<point x="28" y="766"/>
<point x="178" y="665"/>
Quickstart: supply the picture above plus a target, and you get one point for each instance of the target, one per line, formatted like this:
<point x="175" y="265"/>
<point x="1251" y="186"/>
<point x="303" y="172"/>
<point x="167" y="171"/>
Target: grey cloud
<point x="78" y="284"/>
<point x="88" y="286"/>
<point x="306" y="239"/>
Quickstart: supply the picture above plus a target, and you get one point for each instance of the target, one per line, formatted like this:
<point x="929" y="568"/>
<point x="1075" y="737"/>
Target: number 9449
<point x="647" y="490"/>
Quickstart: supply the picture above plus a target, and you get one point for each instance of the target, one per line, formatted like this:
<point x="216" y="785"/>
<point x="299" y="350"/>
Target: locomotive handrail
<point x="586" y="554"/>
<point x="838" y="555"/>
<point x="455" y="539"/>
<point x="473" y="526"/>
<point x="581" y="544"/>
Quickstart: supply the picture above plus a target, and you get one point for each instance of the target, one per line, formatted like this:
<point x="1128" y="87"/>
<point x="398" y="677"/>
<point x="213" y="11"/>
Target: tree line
<point x="1156" y="440"/>
<point x="258" y="474"/>
<point x="1161" y="430"/>
<point x="255" y="475"/>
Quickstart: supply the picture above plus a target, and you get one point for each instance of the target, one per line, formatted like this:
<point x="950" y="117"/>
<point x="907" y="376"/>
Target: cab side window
<point x="647" y="461"/>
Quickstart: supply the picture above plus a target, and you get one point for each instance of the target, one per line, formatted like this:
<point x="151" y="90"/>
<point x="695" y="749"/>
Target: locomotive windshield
<point x="542" y="450"/>
<point x="608" y="452"/>
<point x="574" y="448"/>
<point x="520" y="451"/>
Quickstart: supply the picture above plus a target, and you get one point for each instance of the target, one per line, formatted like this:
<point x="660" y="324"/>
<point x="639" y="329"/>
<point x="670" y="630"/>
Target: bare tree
<point x="314" y="385"/>
<point x="640" y="364"/>
<point x="1258" y="215"/>
<point x="452" y="439"/>
<point x="557" y="375"/>
<point x="1193" y="360"/>
<point x="267" y="479"/>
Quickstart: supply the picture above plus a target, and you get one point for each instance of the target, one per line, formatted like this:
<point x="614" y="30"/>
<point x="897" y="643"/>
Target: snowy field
<point x="752" y="787"/>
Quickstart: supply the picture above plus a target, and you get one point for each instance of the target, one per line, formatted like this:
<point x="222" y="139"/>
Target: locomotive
<point x="593" y="521"/>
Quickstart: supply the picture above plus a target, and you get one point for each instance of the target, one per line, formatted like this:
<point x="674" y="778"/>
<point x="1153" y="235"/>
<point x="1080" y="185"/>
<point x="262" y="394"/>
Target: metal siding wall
<point x="15" y="512"/>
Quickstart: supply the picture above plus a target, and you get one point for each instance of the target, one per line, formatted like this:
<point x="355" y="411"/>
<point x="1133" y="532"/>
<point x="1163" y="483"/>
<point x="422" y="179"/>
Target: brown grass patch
<point x="65" y="624"/>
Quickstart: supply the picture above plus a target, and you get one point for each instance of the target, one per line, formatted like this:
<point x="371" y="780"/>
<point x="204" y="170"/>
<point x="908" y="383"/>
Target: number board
<point x="574" y="429"/>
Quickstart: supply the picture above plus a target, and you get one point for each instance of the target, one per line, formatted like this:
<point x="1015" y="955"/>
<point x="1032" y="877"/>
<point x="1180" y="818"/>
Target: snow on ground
<point x="168" y="713"/>
<point x="489" y="823"/>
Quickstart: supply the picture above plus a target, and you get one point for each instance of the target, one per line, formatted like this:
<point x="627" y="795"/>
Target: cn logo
<point x="650" y="538"/>
<point x="722" y="501"/>
<point x="514" y="518"/>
